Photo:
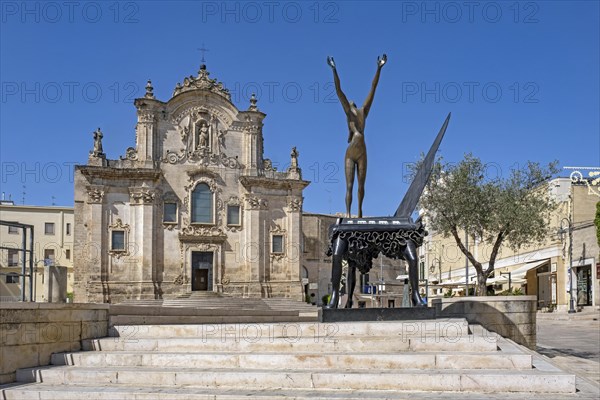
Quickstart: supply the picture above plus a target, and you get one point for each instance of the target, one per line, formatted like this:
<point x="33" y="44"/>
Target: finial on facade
<point x="294" y="171"/>
<point x="149" y="90"/>
<point x="253" y="101"/>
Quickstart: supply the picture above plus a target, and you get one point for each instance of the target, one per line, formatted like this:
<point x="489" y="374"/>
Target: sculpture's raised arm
<point x="338" y="88"/>
<point x="369" y="100"/>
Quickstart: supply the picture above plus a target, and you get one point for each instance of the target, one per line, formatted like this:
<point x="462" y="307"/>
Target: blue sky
<point x="520" y="78"/>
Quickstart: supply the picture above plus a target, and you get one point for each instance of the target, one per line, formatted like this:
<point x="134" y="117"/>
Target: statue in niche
<point x="203" y="134"/>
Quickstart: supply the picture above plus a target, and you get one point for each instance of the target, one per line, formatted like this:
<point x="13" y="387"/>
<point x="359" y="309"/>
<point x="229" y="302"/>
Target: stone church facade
<point x="193" y="207"/>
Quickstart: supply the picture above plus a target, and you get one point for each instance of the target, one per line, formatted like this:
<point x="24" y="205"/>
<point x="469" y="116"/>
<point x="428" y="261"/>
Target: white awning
<point x="519" y="273"/>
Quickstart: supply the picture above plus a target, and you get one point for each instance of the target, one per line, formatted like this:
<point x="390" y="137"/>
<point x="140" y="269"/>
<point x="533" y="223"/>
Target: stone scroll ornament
<point x="360" y="240"/>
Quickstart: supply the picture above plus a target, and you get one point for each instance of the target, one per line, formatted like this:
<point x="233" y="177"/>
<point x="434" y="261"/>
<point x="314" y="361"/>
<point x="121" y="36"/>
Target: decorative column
<point x="144" y="228"/>
<point x="95" y="258"/>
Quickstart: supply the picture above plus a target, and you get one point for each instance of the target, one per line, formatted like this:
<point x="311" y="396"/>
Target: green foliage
<point x="449" y="293"/>
<point x="597" y="222"/>
<point x="513" y="292"/>
<point x="326" y="299"/>
<point x="70" y="296"/>
<point x="476" y="198"/>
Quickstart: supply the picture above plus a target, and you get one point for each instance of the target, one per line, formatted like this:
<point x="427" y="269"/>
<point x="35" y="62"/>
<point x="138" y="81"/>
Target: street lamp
<point x="509" y="279"/>
<point x="561" y="231"/>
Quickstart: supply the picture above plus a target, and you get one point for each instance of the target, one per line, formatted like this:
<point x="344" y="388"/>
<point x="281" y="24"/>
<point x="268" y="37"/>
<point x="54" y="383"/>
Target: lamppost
<point x="561" y="231"/>
<point x="509" y="279"/>
<point x="436" y="261"/>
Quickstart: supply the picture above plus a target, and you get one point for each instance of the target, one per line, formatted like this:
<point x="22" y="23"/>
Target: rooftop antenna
<point x="24" y="193"/>
<point x="53" y="198"/>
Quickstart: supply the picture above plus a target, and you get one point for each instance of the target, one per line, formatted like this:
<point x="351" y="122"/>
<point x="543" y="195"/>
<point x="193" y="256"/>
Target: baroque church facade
<point x="193" y="207"/>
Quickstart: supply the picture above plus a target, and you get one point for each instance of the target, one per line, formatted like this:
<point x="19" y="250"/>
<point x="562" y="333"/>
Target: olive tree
<point x="513" y="210"/>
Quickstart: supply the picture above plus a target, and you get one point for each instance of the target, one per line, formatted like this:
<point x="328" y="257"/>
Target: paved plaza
<point x="572" y="343"/>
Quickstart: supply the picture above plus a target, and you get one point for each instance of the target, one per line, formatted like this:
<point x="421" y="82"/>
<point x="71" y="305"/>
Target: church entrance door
<point x="202" y="266"/>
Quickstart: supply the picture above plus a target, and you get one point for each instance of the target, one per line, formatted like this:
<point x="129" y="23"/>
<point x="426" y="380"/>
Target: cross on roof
<point x="203" y="50"/>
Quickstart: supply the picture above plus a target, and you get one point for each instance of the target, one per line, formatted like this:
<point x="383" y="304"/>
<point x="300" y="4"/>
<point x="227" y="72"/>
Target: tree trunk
<point x="481" y="288"/>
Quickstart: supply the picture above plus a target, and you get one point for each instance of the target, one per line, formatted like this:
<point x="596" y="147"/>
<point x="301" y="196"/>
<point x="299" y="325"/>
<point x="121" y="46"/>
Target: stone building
<point x="193" y="207"/>
<point x="540" y="270"/>
<point x="53" y="231"/>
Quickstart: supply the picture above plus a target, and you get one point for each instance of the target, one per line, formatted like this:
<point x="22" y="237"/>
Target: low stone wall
<point x="513" y="317"/>
<point x="31" y="332"/>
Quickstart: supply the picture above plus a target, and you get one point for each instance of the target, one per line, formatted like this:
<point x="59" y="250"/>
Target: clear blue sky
<point x="520" y="78"/>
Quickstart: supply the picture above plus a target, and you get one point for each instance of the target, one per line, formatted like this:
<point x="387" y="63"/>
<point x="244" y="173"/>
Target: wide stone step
<point x="121" y="392"/>
<point x="206" y="319"/>
<point x="485" y="381"/>
<point x="442" y="328"/>
<point x="233" y="342"/>
<point x="299" y="361"/>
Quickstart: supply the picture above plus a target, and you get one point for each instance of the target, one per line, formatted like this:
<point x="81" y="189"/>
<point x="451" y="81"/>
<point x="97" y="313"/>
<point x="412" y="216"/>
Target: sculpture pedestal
<point x="376" y="314"/>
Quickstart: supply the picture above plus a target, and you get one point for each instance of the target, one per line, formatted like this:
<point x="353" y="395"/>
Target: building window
<point x="117" y="242"/>
<point x="170" y="213"/>
<point x="68" y="228"/>
<point x="13" y="257"/>
<point x="49" y="257"/>
<point x="233" y="215"/>
<point x="202" y="204"/>
<point x="12" y="278"/>
<point x="277" y="247"/>
<point x="49" y="228"/>
<point x="13" y="230"/>
<point x="68" y="254"/>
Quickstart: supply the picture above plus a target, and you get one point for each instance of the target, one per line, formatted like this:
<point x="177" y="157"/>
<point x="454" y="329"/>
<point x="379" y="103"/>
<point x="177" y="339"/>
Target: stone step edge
<point x="77" y="392"/>
<point x="482" y="381"/>
<point x="263" y="361"/>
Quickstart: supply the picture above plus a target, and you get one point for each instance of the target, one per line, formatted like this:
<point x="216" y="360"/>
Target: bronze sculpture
<point x="360" y="240"/>
<point x="355" y="161"/>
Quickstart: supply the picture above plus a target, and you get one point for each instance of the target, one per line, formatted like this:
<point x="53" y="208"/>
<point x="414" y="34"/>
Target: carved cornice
<point x="120" y="173"/>
<point x="146" y="117"/>
<point x="95" y="194"/>
<point x="202" y="234"/>
<point x="141" y="195"/>
<point x="295" y="204"/>
<point x="202" y="82"/>
<point x="255" y="203"/>
<point x="259" y="181"/>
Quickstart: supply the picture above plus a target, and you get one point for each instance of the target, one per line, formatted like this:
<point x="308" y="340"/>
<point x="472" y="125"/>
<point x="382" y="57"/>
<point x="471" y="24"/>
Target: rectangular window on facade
<point x="233" y="215"/>
<point x="277" y="244"/>
<point x="13" y="230"/>
<point x="117" y="242"/>
<point x="170" y="213"/>
<point x="68" y="229"/>
<point x="49" y="257"/>
<point x="13" y="257"/>
<point x="68" y="254"/>
<point x="49" y="228"/>
<point x="12" y="279"/>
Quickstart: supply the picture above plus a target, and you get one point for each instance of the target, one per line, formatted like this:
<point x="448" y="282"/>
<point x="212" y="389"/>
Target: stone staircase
<point x="444" y="358"/>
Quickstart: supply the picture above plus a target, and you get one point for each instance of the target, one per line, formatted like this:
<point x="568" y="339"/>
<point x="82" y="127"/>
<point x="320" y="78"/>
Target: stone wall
<point x="513" y="317"/>
<point x="31" y="332"/>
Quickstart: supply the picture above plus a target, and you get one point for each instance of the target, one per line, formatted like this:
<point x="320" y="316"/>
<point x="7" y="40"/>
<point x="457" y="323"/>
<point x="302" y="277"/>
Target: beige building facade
<point x="540" y="270"/>
<point x="53" y="229"/>
<point x="194" y="206"/>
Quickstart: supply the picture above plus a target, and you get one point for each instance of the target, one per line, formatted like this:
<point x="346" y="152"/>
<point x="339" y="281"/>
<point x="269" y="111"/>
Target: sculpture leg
<point x="339" y="249"/>
<point x="411" y="257"/>
<point x="362" y="175"/>
<point x="351" y="283"/>
<point x="350" y="166"/>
